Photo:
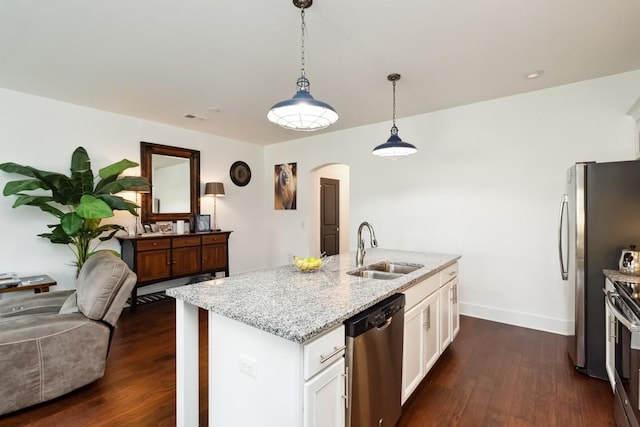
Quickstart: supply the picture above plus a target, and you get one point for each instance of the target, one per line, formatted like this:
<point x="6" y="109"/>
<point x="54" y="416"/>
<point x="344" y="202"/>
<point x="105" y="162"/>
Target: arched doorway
<point x="339" y="175"/>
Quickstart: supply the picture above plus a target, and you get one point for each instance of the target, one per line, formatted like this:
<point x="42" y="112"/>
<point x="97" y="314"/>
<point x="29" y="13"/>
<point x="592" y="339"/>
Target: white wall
<point x="43" y="133"/>
<point x="485" y="184"/>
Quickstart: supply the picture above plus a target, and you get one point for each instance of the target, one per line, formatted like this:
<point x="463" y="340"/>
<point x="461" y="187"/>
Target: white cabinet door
<point x="455" y="309"/>
<point x="324" y="403"/>
<point x="445" y="316"/>
<point x="431" y="331"/>
<point x="429" y="327"/>
<point x="413" y="350"/>
<point x="420" y="347"/>
<point x="635" y="113"/>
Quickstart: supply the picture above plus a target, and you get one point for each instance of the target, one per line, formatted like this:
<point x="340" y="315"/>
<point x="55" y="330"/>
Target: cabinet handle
<point x="336" y="350"/>
<point x="427" y="313"/>
<point x="452" y="273"/>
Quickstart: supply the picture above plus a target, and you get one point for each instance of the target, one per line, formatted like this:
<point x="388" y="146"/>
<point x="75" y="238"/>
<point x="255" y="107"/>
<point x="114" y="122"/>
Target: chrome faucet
<point x="374" y="243"/>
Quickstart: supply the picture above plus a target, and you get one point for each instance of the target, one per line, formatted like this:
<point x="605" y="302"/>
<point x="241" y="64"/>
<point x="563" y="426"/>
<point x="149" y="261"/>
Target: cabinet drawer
<point x="421" y="290"/>
<point x="323" y="351"/>
<point x="183" y="242"/>
<point x="152" y="244"/>
<point x="448" y="273"/>
<point x="214" y="238"/>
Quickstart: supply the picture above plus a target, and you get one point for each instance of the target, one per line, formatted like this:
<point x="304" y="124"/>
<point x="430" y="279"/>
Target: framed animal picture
<point x="285" y="186"/>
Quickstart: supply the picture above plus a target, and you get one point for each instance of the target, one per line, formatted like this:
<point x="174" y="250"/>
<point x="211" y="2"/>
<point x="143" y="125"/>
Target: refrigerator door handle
<point x="564" y="269"/>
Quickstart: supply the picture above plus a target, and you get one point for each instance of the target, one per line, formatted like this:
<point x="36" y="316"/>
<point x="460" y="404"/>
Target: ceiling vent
<point x="194" y="117"/>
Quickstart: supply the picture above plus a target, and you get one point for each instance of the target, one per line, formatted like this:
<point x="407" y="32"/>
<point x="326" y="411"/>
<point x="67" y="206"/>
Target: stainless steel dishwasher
<point x="374" y="364"/>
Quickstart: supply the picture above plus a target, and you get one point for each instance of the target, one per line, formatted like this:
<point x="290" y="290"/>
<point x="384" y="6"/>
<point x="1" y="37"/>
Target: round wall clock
<point x="240" y="173"/>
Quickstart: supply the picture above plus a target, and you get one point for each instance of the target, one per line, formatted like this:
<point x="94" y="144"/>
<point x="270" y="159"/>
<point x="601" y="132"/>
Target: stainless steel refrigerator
<point x="599" y="216"/>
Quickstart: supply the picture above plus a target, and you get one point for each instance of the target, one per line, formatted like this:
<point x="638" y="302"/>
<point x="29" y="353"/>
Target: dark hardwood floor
<point x="491" y="375"/>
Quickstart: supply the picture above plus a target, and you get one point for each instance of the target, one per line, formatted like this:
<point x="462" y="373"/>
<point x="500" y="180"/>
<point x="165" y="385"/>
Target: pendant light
<point x="394" y="148"/>
<point x="302" y="112"/>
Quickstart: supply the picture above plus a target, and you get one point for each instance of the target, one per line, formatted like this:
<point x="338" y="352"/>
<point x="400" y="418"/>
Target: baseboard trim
<point x="526" y="320"/>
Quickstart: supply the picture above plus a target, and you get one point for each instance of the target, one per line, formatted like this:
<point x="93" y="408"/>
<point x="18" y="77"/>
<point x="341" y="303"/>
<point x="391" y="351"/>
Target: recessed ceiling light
<point x="214" y="109"/>
<point x="533" y="75"/>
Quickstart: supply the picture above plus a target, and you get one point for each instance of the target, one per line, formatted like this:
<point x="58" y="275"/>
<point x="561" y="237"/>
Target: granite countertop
<point x="616" y="276"/>
<point x="298" y="305"/>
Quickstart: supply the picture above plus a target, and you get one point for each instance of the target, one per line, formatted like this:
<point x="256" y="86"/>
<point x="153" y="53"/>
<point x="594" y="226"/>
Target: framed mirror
<point x="174" y="175"/>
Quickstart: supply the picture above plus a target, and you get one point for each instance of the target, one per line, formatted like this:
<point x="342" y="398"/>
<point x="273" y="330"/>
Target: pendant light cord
<point x="303" y="28"/>
<point x="394" y="129"/>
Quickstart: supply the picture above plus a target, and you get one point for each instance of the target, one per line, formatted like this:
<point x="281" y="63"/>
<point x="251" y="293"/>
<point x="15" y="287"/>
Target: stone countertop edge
<point x="297" y="305"/>
<point x="616" y="276"/>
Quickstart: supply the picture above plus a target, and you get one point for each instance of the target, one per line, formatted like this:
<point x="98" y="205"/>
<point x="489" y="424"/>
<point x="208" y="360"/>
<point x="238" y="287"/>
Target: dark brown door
<point x="329" y="216"/>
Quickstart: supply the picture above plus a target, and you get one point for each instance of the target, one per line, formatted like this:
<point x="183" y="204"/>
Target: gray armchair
<point x="55" y="342"/>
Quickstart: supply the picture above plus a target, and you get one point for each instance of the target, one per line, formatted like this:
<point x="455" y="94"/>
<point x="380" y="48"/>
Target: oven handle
<point x="630" y="325"/>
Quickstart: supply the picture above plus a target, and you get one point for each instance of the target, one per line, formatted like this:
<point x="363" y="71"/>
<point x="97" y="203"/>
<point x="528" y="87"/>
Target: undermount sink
<point x="384" y="270"/>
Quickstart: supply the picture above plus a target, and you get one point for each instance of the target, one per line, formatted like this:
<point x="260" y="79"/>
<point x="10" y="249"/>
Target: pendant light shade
<point x="302" y="112"/>
<point x="395" y="147"/>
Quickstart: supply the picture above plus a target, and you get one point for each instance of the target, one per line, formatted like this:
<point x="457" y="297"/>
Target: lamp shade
<point x="394" y="148"/>
<point x="214" y="189"/>
<point x="302" y="112"/>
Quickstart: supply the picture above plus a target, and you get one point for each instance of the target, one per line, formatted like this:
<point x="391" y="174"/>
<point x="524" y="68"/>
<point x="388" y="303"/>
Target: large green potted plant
<point x="79" y="201"/>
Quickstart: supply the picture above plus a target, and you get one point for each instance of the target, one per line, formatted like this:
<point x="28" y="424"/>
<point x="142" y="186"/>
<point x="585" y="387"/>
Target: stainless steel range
<point x="623" y="302"/>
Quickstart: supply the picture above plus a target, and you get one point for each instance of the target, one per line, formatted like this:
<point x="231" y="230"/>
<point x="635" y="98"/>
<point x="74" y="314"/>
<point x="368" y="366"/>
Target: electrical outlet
<point x="248" y="365"/>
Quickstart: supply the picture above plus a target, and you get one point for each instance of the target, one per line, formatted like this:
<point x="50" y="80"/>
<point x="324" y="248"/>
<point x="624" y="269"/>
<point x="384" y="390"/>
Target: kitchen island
<point x="262" y="324"/>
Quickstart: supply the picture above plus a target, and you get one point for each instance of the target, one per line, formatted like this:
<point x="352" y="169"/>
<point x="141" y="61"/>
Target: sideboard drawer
<point x="183" y="242"/>
<point x="152" y="244"/>
<point x="214" y="238"/>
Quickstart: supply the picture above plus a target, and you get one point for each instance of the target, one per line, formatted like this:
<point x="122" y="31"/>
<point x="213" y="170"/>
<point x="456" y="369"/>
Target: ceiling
<point x="229" y="61"/>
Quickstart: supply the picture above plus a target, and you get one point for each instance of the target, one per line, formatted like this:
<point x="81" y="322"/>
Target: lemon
<point x="306" y="264"/>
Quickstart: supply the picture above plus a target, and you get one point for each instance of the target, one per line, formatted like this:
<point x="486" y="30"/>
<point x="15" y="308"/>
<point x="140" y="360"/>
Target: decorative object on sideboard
<point x="215" y="190"/>
<point x="240" y="173"/>
<point x="174" y="174"/>
<point x="202" y="223"/>
<point x="164" y="226"/>
<point x="302" y="112"/>
<point x="84" y="204"/>
<point x="394" y="148"/>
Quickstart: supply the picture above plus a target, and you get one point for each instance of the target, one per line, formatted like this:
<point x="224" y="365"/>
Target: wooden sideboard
<point x="155" y="258"/>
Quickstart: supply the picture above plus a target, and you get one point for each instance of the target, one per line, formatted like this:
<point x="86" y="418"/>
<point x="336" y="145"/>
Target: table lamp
<point x="139" y="189"/>
<point x="215" y="190"/>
